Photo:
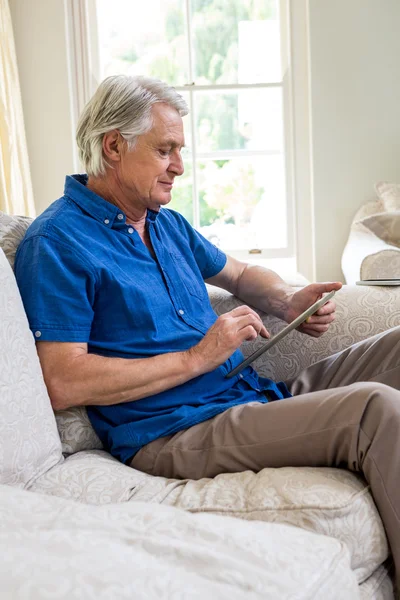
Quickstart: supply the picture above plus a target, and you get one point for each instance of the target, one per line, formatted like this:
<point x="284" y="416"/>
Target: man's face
<point x="148" y="171"/>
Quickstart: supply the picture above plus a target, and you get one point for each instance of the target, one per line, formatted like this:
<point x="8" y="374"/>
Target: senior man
<point x="113" y="286"/>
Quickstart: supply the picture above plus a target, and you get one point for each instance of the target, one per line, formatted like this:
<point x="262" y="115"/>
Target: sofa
<point x="76" y="523"/>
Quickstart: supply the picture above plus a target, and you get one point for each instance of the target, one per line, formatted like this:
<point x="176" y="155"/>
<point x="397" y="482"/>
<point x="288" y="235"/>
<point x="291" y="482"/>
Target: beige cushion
<point x="372" y="249"/>
<point x="384" y="264"/>
<point x="385" y="225"/>
<point x="29" y="442"/>
<point x="12" y="230"/>
<point x="55" y="548"/>
<point x="328" y="501"/>
<point x="389" y="194"/>
<point x="76" y="431"/>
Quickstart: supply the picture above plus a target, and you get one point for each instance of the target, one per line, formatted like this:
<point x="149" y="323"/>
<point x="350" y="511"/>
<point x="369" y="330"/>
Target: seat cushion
<point x="29" y="441"/>
<point x="143" y="551"/>
<point x="328" y="501"/>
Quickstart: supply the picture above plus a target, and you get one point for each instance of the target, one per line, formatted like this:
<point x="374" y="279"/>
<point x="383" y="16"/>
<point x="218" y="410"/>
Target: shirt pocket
<point x="188" y="276"/>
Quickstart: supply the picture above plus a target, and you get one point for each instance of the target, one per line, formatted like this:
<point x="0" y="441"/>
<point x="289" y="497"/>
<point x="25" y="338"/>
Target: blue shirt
<point x="86" y="276"/>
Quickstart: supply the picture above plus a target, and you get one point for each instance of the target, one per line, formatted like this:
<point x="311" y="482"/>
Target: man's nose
<point x="176" y="164"/>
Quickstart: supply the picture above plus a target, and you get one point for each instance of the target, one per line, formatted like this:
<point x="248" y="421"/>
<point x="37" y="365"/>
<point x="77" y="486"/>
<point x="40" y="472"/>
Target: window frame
<point x="84" y="76"/>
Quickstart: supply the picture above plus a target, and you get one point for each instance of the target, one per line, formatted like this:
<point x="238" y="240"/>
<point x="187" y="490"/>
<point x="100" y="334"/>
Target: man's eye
<point x="164" y="153"/>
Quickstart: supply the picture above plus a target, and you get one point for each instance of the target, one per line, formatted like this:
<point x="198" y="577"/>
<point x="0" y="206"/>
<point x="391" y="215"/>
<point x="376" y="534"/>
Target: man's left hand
<point x="318" y="323"/>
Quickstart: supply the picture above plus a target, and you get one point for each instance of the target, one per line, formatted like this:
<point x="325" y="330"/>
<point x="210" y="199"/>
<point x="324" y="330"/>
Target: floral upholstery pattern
<point x="333" y="502"/>
<point x="29" y="443"/>
<point x="148" y="552"/>
<point x="76" y="431"/>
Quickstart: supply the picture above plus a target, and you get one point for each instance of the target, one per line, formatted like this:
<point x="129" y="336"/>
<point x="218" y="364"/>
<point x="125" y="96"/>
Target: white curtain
<point x="16" y="196"/>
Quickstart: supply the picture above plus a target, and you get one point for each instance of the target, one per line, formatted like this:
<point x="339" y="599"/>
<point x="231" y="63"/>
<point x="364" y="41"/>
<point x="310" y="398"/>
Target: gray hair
<point x="124" y="103"/>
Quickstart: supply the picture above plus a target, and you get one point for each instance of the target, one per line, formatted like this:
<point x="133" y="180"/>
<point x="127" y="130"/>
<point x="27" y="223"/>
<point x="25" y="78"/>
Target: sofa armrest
<point x="366" y="256"/>
<point x="361" y="312"/>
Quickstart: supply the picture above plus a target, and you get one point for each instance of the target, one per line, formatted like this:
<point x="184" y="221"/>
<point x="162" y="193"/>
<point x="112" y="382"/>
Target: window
<point x="225" y="58"/>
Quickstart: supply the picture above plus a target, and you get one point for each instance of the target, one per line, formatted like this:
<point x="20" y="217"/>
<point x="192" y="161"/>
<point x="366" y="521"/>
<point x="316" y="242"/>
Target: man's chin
<point x="163" y="200"/>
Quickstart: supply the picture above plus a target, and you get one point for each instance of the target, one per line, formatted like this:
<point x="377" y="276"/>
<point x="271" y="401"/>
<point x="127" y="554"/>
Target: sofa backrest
<point x="74" y="427"/>
<point x="29" y="441"/>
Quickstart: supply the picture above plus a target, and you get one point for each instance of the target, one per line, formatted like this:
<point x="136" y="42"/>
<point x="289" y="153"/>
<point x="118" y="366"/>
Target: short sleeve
<point x="210" y="259"/>
<point x="57" y="288"/>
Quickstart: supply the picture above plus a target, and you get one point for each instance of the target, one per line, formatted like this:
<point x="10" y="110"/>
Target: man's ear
<point x="113" y="145"/>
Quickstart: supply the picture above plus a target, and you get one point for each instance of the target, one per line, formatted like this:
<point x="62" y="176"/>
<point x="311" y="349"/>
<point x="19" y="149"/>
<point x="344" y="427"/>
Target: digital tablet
<point x="378" y="282"/>
<point x="279" y="336"/>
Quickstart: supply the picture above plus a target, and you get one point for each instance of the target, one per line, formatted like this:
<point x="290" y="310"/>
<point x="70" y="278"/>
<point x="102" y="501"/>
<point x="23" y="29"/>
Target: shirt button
<point x="38" y="334"/>
<point x="241" y="376"/>
<point x="120" y="217"/>
<point x="130" y="230"/>
<point x="181" y="312"/>
<point x="106" y="221"/>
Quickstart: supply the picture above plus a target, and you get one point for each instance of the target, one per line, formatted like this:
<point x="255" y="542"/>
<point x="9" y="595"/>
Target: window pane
<point x="236" y="41"/>
<point x="249" y="119"/>
<point x="146" y="38"/>
<point x="243" y="202"/>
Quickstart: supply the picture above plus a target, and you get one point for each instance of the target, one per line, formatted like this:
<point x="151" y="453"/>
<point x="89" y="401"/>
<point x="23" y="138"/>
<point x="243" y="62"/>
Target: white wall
<point x="354" y="93"/>
<point x="355" y="114"/>
<point x="39" y="31"/>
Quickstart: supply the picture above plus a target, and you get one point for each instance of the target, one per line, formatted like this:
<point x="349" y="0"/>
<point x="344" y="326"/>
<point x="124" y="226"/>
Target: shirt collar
<point x="98" y="208"/>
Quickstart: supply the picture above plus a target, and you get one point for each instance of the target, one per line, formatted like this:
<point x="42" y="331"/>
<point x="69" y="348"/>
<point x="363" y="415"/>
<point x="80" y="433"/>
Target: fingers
<point x="316" y="327"/>
<point x="321" y="320"/>
<point x="245" y="316"/>
<point x="326" y="314"/>
<point x="328" y="286"/>
<point x="248" y="321"/>
<point x="327" y="309"/>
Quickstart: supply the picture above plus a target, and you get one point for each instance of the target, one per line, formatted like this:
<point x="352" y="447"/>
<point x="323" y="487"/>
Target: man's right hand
<point x="75" y="377"/>
<point x="229" y="331"/>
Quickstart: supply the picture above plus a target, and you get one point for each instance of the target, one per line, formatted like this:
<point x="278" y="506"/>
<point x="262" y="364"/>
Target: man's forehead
<point x="167" y="125"/>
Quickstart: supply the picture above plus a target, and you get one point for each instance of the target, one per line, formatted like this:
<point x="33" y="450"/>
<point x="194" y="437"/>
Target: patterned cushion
<point x="384" y="264"/>
<point x="385" y="226"/>
<point x="389" y="194"/>
<point x="54" y="548"/>
<point x="29" y="442"/>
<point x="372" y="249"/>
<point x="332" y="502"/>
<point x="76" y="431"/>
<point x="12" y="230"/>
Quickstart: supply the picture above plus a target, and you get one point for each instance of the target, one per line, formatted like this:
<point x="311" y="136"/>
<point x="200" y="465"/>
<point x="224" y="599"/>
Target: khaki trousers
<point x="345" y="413"/>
